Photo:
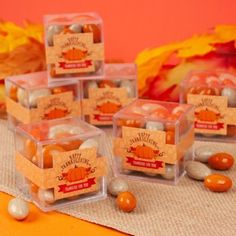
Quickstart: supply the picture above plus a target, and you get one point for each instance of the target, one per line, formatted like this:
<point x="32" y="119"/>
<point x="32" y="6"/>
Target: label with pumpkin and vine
<point x="78" y="172"/>
<point x="211" y="113"/>
<point x="144" y="150"/>
<point x="74" y="172"/>
<point x="103" y="103"/>
<point x="48" y="107"/>
<point x="74" y="53"/>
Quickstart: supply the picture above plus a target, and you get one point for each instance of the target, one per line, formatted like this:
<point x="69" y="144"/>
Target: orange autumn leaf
<point x="159" y="75"/>
<point x="21" y="51"/>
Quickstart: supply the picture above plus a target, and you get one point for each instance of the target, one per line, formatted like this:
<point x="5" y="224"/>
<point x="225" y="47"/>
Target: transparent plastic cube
<point x="213" y="93"/>
<point x="153" y="140"/>
<point x="103" y="97"/>
<point x="74" y="45"/>
<point x="31" y="99"/>
<point x="60" y="162"/>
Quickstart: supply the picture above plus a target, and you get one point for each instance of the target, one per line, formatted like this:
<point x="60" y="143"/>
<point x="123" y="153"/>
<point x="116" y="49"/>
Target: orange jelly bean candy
<point x="59" y="90"/>
<point x="30" y="148"/>
<point x="33" y="188"/>
<point x="48" y="152"/>
<point x="107" y="83"/>
<point x="126" y="201"/>
<point x="218" y="183"/>
<point x="231" y="130"/>
<point x="71" y="145"/>
<point x="13" y="93"/>
<point x="161" y="113"/>
<point x="92" y="28"/>
<point x="130" y="123"/>
<point x="221" y="161"/>
<point x="170" y="137"/>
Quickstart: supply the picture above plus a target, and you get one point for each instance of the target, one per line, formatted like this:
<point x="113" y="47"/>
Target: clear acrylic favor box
<point x="74" y="45"/>
<point x="60" y="162"/>
<point x="153" y="140"/>
<point x="103" y="97"/>
<point x="213" y="93"/>
<point x="29" y="98"/>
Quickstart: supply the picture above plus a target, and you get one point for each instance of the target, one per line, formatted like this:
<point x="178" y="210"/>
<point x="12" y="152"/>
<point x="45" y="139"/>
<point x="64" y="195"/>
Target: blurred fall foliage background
<point x="21" y="51"/>
<point x="160" y="69"/>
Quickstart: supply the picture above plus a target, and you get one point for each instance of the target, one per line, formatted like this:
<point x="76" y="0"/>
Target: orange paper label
<point x="211" y="113"/>
<point x="74" y="53"/>
<point x="75" y="172"/>
<point x="144" y="150"/>
<point x="48" y="107"/>
<point x="103" y="103"/>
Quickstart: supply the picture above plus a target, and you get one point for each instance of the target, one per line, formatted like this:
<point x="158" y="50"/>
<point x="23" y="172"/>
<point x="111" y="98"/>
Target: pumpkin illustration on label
<point x="109" y="107"/>
<point x="76" y="174"/>
<point x="74" y="54"/>
<point x="56" y="113"/>
<point x="207" y="115"/>
<point x="144" y="152"/>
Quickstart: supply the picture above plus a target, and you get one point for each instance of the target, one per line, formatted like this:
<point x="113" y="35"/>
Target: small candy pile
<point x="215" y="160"/>
<point x="125" y="200"/>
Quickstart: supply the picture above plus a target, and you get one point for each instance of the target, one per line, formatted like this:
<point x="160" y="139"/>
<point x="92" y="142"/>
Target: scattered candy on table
<point x="204" y="152"/>
<point x="18" y="208"/>
<point x="126" y="201"/>
<point x="218" y="183"/>
<point x="216" y="160"/>
<point x="116" y="186"/>
<point x="221" y="161"/>
<point x="197" y="170"/>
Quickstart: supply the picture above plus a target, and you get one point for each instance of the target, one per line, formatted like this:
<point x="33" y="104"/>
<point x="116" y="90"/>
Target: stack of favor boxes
<point x="60" y="158"/>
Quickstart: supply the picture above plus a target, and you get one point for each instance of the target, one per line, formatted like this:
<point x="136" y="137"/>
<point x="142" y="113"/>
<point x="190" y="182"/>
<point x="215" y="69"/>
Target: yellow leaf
<point x="225" y="33"/>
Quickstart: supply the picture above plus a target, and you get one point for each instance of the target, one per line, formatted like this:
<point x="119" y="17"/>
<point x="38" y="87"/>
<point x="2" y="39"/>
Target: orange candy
<point x="34" y="188"/>
<point x="130" y="123"/>
<point x="218" y="183"/>
<point x="126" y="201"/>
<point x="71" y="145"/>
<point x="161" y="113"/>
<point x="221" y="161"/>
<point x="92" y="28"/>
<point x="36" y="133"/>
<point x="204" y="91"/>
<point x="58" y="90"/>
<point x="13" y="93"/>
<point x="48" y="152"/>
<point x="170" y="137"/>
<point x="231" y="130"/>
<point x="106" y="83"/>
<point x="30" y="148"/>
<point x="228" y="82"/>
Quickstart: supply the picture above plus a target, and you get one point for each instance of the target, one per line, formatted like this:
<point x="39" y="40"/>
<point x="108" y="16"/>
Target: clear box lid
<point x="69" y="129"/>
<point x="152" y="110"/>
<point x="213" y="79"/>
<point x="71" y="18"/>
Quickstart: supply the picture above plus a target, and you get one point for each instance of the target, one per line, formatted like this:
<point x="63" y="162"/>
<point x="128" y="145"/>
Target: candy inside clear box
<point x="31" y="99"/>
<point x="103" y="97"/>
<point x="74" y="45"/>
<point x="60" y="162"/>
<point x="152" y="140"/>
<point x="213" y="93"/>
